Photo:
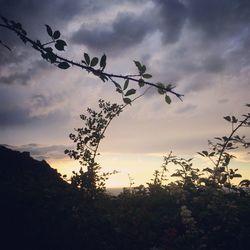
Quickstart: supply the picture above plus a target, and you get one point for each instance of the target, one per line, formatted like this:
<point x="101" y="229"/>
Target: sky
<point x="202" y="46"/>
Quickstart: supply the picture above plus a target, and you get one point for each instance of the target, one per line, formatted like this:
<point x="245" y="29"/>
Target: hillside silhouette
<point x="39" y="210"/>
<point x="20" y="170"/>
<point x="33" y="199"/>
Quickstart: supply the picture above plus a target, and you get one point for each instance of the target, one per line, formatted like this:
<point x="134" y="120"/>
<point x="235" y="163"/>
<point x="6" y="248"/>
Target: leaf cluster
<point x="220" y="152"/>
<point x="87" y="140"/>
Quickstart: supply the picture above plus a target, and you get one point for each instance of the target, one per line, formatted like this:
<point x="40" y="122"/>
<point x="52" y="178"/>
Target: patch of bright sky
<point x="140" y="167"/>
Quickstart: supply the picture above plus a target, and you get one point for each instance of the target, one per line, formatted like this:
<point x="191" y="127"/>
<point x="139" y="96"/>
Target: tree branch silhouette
<point x="95" y="65"/>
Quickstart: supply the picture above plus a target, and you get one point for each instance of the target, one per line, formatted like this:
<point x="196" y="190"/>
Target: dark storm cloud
<point x="11" y="114"/>
<point x="32" y="13"/>
<point x="21" y="75"/>
<point x="126" y="30"/>
<point x="17" y="110"/>
<point x="213" y="18"/>
<point x="224" y="22"/>
<point x="16" y="78"/>
<point x="35" y="14"/>
<point x="211" y="38"/>
<point x="213" y="63"/>
<point x="129" y="29"/>
<point x="41" y="152"/>
<point x="171" y="18"/>
<point x="9" y="57"/>
<point x="19" y="116"/>
<point x="44" y="152"/>
<point x="14" y="117"/>
<point x="219" y="18"/>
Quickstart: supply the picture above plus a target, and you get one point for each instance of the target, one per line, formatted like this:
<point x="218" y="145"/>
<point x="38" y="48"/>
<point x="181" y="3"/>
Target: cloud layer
<point x="202" y="46"/>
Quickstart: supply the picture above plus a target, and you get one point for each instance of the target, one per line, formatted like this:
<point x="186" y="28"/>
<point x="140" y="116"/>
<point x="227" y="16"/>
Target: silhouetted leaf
<point x="211" y="154"/>
<point x="208" y="170"/>
<point x="147" y="76"/>
<point x="117" y="85"/>
<point x="23" y="39"/>
<point x="97" y="72"/>
<point x="56" y="34"/>
<point x="130" y="92"/>
<point x="44" y="55"/>
<point x="103" y="77"/>
<point x="234" y="120"/>
<point x="49" y="30"/>
<point x="94" y="62"/>
<point x="169" y="87"/>
<point x="176" y="175"/>
<point x="139" y="66"/>
<point x="126" y="84"/>
<point x="39" y="42"/>
<point x="60" y="44"/>
<point x="217" y="138"/>
<point x="103" y="61"/>
<point x="205" y="153"/>
<point x="48" y="49"/>
<point x="87" y="58"/>
<point x="237" y="175"/>
<point x="63" y="65"/>
<point x="23" y="32"/>
<point x="245" y="183"/>
<point x="143" y="69"/>
<point x="119" y="90"/>
<point x="161" y="89"/>
<point x="167" y="99"/>
<point x="127" y="100"/>
<point x="52" y="57"/>
<point x="5" y="20"/>
<point x="17" y="26"/>
<point x="141" y="83"/>
<point x="228" y="118"/>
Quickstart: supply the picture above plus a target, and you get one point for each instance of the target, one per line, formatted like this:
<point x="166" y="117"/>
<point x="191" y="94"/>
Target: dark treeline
<point x="39" y="210"/>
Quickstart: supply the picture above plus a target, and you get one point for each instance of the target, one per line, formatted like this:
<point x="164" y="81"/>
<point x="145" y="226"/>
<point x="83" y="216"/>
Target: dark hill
<point x="36" y="203"/>
<point x="40" y="211"/>
<point x="19" y="169"/>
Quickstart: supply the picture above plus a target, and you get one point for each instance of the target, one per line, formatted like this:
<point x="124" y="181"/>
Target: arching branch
<point x="93" y="65"/>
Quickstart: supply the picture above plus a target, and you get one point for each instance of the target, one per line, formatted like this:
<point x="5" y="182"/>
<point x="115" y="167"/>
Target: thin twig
<point x="229" y="139"/>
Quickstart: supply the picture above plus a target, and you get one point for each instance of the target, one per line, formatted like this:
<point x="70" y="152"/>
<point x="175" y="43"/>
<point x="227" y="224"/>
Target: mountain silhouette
<point x="35" y="202"/>
<point x="19" y="169"/>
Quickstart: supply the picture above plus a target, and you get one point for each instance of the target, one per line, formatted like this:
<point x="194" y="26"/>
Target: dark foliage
<point x="39" y="210"/>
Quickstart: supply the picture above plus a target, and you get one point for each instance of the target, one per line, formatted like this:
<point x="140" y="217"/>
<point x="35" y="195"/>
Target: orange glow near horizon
<point x="139" y="167"/>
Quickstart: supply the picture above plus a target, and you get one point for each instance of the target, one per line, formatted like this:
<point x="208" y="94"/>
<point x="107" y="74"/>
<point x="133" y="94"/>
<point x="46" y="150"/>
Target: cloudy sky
<point x="202" y="46"/>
